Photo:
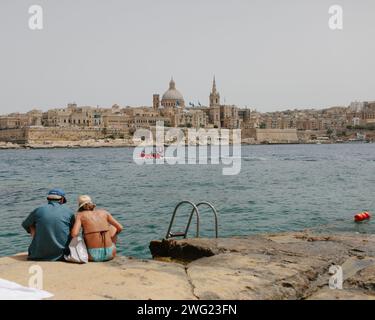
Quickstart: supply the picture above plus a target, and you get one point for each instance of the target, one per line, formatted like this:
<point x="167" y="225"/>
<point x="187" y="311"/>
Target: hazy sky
<point x="271" y="55"/>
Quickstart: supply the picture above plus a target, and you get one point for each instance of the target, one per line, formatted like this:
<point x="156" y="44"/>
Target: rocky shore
<point x="274" y="266"/>
<point x="9" y="145"/>
<point x="117" y="143"/>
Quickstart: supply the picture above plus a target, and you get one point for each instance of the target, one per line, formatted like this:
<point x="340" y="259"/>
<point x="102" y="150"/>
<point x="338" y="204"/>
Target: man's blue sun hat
<point x="56" y="194"/>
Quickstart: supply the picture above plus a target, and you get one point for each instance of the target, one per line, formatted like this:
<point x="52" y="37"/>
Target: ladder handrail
<point x="195" y="209"/>
<point x="215" y="215"/>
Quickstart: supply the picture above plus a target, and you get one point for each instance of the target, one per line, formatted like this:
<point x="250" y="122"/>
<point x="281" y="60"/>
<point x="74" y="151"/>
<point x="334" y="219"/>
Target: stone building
<point x="57" y="118"/>
<point x="21" y="120"/>
<point x="156" y="101"/>
<point x="145" y="117"/>
<point x="249" y="119"/>
<point x="360" y="114"/>
<point x="192" y="118"/>
<point x="35" y="117"/>
<point x="14" y="121"/>
<point x="82" y="117"/>
<point x="116" y="121"/>
<point x="244" y="115"/>
<point x="229" y="118"/>
<point x="368" y="113"/>
<point x="73" y="116"/>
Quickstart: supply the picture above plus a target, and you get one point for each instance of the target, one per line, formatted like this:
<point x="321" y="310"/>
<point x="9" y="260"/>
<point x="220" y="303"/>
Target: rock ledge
<point x="291" y="265"/>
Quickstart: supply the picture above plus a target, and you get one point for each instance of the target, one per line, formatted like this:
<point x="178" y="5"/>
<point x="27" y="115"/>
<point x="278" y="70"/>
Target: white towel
<point x="13" y="291"/>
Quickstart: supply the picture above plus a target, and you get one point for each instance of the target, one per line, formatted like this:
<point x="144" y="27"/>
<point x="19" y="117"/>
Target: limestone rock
<point x="121" y="278"/>
<point x="292" y="265"/>
<point x="275" y="266"/>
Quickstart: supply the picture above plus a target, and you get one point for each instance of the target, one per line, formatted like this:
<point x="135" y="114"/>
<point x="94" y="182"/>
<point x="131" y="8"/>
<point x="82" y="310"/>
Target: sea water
<point x="280" y="188"/>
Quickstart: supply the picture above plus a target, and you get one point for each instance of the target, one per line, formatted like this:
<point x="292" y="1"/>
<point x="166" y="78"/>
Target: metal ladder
<point x="195" y="210"/>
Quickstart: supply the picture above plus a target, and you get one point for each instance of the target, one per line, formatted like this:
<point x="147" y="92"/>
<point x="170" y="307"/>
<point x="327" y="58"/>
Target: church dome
<point x="172" y="95"/>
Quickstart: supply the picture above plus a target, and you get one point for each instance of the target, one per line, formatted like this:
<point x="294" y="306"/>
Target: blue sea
<point x="279" y="188"/>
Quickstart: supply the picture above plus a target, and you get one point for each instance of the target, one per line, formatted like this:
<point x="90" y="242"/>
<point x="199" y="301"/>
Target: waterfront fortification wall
<point x="54" y="134"/>
<point x="42" y="134"/>
<point x="276" y="135"/>
<point x="307" y="135"/>
<point x="13" y="135"/>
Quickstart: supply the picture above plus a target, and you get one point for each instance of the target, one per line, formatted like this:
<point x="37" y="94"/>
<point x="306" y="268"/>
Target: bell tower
<point x="214" y="95"/>
<point x="214" y="109"/>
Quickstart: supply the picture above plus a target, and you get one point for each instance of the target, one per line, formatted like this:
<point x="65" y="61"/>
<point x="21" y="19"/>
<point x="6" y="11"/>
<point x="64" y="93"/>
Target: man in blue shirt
<point x="50" y="227"/>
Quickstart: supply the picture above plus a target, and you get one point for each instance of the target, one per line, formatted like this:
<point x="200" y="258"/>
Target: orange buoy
<point x="362" y="216"/>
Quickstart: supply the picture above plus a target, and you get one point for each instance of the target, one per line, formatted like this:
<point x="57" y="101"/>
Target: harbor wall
<point x="53" y="134"/>
<point x="13" y="135"/>
<point x="276" y="135"/>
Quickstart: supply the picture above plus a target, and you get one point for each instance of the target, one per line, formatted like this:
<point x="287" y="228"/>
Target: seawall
<point x="51" y="135"/>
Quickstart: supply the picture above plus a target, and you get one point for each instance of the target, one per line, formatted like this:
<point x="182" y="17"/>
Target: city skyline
<point x="189" y="104"/>
<point x="265" y="55"/>
<point x="252" y="108"/>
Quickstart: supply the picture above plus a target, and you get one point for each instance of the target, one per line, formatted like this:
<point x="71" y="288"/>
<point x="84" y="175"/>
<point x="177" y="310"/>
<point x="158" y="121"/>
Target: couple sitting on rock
<point x="54" y="225"/>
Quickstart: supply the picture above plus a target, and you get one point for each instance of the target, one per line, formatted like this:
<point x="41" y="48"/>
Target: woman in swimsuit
<point x="100" y="230"/>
